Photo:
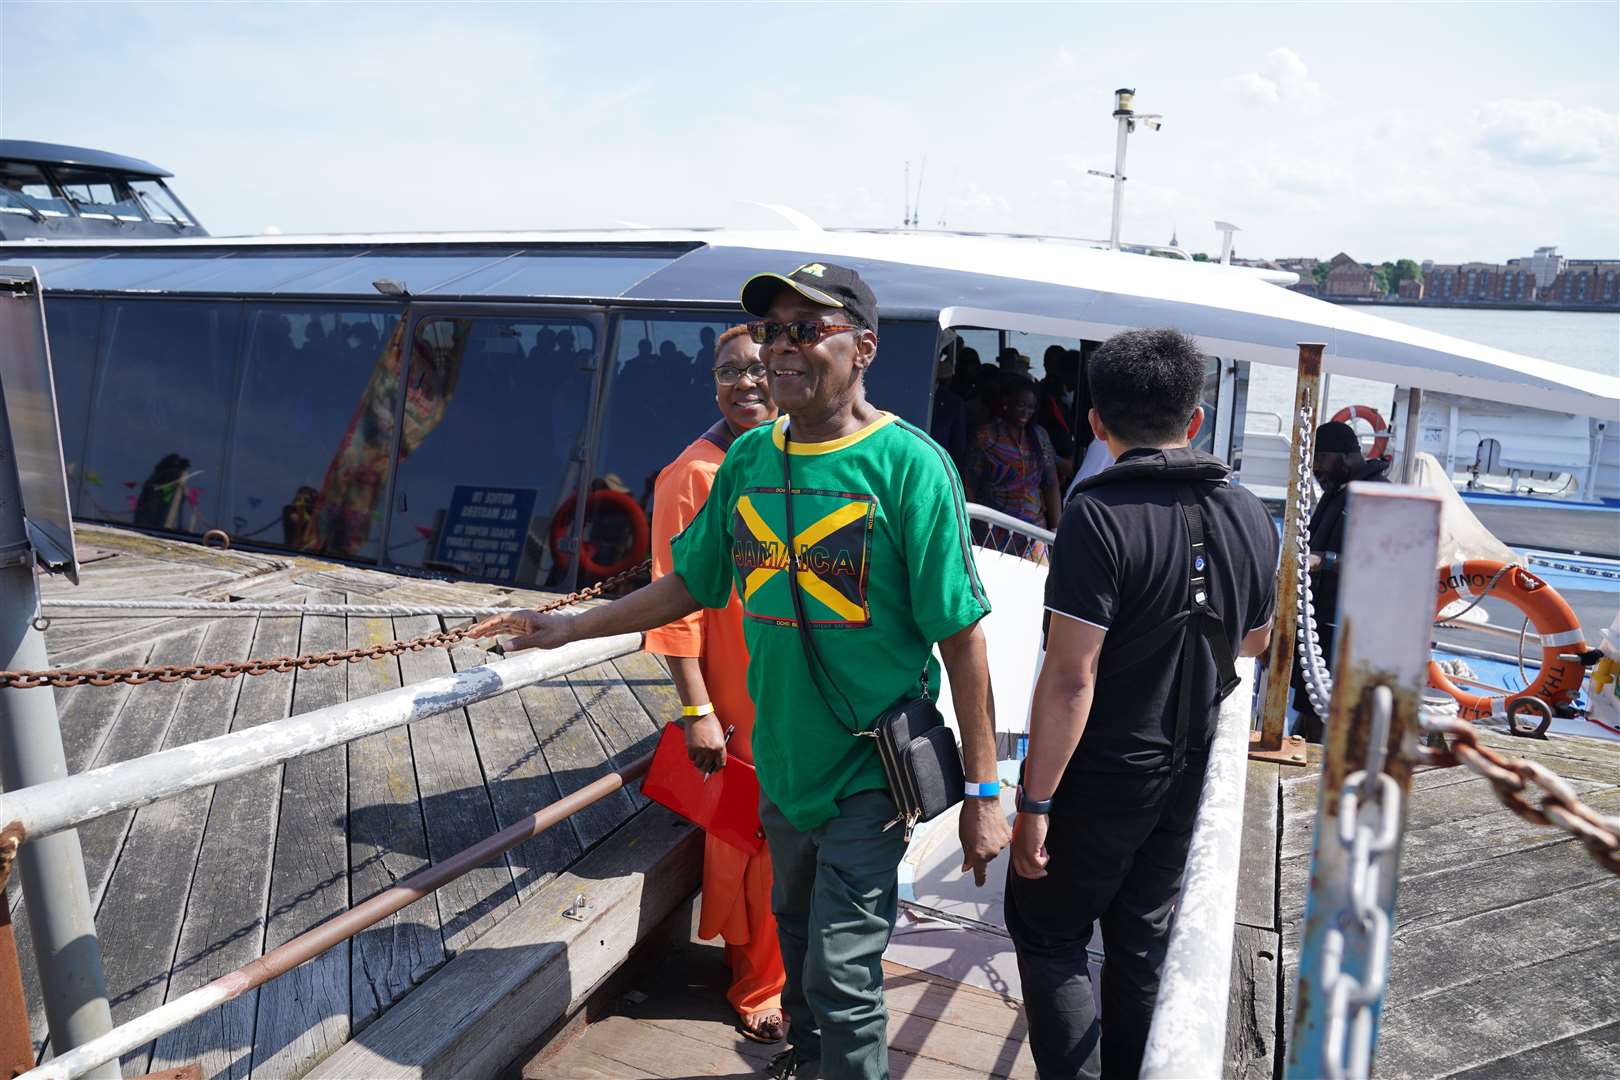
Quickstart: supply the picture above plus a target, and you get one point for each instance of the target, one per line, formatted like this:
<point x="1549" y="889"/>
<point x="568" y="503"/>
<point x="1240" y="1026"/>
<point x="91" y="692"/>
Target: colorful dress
<point x="736" y="886"/>
<point x="1012" y="467"/>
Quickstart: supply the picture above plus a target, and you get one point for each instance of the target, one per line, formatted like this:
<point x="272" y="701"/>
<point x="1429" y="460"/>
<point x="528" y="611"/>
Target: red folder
<point x="727" y="805"/>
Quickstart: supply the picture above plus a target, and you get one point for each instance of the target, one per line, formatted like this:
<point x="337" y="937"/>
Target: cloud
<point x="1545" y="133"/>
<point x="1284" y="78"/>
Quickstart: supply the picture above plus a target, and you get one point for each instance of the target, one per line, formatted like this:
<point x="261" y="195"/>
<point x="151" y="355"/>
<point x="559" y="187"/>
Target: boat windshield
<point x="99" y="196"/>
<point x="24" y="189"/>
<point x="159" y="202"/>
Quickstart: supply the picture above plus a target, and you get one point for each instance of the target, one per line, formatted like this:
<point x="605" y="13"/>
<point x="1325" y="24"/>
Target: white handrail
<point x="64" y="804"/>
<point x="979" y="512"/>
<point x="1188" y="1034"/>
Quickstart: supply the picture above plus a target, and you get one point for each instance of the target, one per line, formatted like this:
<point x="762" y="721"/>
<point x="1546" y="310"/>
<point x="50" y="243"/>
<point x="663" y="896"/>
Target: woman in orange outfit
<point x="708" y="661"/>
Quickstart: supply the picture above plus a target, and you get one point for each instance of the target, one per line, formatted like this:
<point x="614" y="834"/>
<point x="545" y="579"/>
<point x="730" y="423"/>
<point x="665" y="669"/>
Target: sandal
<point x="770" y="1029"/>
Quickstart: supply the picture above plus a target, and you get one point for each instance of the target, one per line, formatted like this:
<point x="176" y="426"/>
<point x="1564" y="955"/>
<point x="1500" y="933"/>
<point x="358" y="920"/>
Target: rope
<point x="253" y="607"/>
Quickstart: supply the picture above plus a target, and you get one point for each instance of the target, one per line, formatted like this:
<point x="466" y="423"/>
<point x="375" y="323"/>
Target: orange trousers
<point x="737" y="908"/>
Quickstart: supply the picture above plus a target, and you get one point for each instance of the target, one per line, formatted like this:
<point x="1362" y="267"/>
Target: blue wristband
<point x="982" y="791"/>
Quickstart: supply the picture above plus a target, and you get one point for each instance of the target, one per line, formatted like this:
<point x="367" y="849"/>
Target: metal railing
<point x="46" y="809"/>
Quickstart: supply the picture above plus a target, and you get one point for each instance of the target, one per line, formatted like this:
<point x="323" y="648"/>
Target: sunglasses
<point x="803" y="332"/>
<point x="730" y="375"/>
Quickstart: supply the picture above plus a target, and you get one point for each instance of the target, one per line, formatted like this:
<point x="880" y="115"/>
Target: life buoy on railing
<point x="1560" y="679"/>
<point x="1369" y="414"/>
<point x="616" y="502"/>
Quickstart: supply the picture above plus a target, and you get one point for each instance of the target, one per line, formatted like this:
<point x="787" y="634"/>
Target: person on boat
<point x="1013" y="467"/>
<point x="707" y="658"/>
<point x="882" y="572"/>
<point x="949" y="425"/>
<point x="1336" y="463"/>
<point x="1161" y="572"/>
<point x="1055" y="413"/>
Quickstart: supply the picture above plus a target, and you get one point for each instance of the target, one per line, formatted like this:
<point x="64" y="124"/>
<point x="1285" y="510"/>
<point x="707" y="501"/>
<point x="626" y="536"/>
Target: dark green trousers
<point x="835" y="891"/>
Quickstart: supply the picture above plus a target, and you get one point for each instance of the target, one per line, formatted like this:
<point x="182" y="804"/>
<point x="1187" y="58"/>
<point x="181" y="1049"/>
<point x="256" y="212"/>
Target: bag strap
<point x="812" y="658"/>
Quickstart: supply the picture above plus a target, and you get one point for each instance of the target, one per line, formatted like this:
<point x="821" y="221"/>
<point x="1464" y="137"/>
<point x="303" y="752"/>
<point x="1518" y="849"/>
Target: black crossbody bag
<point x="921" y="761"/>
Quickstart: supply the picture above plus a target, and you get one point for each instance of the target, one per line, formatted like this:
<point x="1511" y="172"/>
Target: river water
<point x="1581" y="339"/>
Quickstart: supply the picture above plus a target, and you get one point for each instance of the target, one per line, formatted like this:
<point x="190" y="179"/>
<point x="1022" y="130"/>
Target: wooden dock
<point x="187" y="890"/>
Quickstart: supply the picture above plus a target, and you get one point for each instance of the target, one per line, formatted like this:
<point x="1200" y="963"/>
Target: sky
<point x="1432" y="131"/>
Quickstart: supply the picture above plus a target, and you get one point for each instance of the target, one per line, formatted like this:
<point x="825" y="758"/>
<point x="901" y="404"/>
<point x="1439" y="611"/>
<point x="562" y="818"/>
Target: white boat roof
<point x="1056" y="286"/>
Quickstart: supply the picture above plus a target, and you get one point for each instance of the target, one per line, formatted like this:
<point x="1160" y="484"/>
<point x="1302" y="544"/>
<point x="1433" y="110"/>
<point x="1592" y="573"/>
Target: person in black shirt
<point x="1055" y="412"/>
<point x="1140" y="640"/>
<point x="1337" y="462"/>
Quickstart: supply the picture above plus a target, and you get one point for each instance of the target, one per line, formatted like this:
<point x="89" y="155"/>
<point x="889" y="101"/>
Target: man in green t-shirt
<point x="879" y="548"/>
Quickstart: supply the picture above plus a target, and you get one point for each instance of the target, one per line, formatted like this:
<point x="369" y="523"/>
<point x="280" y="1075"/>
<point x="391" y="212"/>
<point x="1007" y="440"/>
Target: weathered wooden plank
<point x="1591" y="1053"/>
<point x="1565" y="996"/>
<point x="518" y="780"/>
<point x="534" y="964"/>
<point x="224" y="919"/>
<point x="1251" y="1015"/>
<point x="1257" y="866"/>
<point x="626" y="730"/>
<point x="574" y="756"/>
<point x="387" y="841"/>
<point x="304" y="1015"/>
<point x="145" y="900"/>
<point x="455" y="804"/>
<point x="647" y="678"/>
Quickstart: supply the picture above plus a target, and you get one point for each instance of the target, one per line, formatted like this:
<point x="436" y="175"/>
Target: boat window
<point x="902" y="377"/>
<point x="157" y="438"/>
<point x="494" y="411"/>
<point x="1210" y="400"/>
<point x="71" y="326"/>
<point x="309" y="470"/>
<point x="658" y="396"/>
<point x="160" y="204"/>
<point x="24" y="188"/>
<point x="97" y="195"/>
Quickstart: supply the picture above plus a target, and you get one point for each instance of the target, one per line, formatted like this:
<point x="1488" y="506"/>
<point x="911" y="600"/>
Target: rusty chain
<point x="171" y="673"/>
<point x="1515" y="780"/>
<point x="11" y="838"/>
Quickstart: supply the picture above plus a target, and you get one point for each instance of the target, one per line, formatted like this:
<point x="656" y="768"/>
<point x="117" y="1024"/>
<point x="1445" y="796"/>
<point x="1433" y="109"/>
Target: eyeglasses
<point x="730" y="374"/>
<point x="803" y="332"/>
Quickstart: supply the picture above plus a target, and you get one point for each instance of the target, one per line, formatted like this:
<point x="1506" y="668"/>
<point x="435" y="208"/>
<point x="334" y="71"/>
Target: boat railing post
<point x="61" y="920"/>
<point x="1386" y="607"/>
<point x="1269" y="743"/>
<point x="1409" y="440"/>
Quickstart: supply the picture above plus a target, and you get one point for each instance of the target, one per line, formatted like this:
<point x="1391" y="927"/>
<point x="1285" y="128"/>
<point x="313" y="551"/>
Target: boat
<point x="49" y="191"/>
<point x="342" y="413"/>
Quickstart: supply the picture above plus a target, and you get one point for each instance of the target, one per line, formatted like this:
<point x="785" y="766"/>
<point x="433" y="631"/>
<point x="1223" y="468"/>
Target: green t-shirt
<point x="887" y="572"/>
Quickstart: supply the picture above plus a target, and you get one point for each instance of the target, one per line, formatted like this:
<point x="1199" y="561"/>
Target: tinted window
<point x="315" y="428"/>
<point x="1210" y="399"/>
<point x="902" y="377"/>
<point x="494" y="408"/>
<point x="157" y="445"/>
<point x="658" y="397"/>
<point x="71" y="326"/>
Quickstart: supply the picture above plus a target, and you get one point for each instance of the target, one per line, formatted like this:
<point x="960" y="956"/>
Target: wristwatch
<point x="1032" y="806"/>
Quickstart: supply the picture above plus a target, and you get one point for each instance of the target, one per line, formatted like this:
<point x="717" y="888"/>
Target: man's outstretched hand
<point x="984" y="833"/>
<point x="534" y="630"/>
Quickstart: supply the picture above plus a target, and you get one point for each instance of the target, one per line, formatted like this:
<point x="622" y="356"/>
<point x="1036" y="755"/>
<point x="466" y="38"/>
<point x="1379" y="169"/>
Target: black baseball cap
<point x="1337" y="437"/>
<point x="821" y="283"/>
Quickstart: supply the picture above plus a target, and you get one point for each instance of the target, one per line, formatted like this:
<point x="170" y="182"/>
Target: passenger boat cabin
<point x="54" y="192"/>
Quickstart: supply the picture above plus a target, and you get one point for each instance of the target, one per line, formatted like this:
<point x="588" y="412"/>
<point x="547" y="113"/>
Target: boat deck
<point x="1504" y="957"/>
<point x="187" y="890"/>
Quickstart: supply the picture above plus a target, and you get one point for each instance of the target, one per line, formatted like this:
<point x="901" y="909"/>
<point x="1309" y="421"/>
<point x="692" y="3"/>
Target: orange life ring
<point x="1560" y="631"/>
<point x="1369" y="414"/>
<point x="622" y="503"/>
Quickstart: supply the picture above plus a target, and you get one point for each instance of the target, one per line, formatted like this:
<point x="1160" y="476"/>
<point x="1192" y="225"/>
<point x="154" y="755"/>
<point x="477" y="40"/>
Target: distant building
<point x="1586" y="281"/>
<point x="1410" y="289"/>
<point x="1307" y="286"/>
<point x="1348" y="278"/>
<point x="1481" y="282"/>
<point x="1546" y="264"/>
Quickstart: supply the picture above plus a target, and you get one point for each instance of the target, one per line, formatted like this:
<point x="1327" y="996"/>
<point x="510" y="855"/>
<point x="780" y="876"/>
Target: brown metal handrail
<point x="313" y="942"/>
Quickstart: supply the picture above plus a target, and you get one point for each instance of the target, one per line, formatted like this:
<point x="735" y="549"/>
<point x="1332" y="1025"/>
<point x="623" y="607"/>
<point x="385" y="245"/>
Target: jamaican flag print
<point x="833" y="545"/>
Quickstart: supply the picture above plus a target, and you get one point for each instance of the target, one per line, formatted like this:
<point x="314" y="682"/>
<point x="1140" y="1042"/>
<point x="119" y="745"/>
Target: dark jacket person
<point x="1337" y="463"/>
<point x="1125" y="704"/>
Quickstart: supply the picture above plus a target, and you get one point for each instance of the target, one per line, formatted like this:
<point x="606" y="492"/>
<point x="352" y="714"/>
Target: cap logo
<point x="813" y="269"/>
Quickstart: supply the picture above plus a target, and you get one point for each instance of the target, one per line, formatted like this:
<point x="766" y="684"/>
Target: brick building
<point x="1346" y="277"/>
<point x="1410" y="289"/>
<point x="1586" y="281"/>
<point x="1514" y="282"/>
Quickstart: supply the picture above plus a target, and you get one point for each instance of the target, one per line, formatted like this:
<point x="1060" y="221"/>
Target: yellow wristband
<point x="697" y="710"/>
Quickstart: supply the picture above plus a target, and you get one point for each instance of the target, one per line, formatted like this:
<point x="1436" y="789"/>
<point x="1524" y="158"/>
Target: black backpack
<point x="1183" y="467"/>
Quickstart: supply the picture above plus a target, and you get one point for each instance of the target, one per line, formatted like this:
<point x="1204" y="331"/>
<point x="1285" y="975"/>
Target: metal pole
<point x="1387" y="603"/>
<point x="1119" y="176"/>
<point x="312" y="943"/>
<point x="60" y="918"/>
<point x="1269" y="743"/>
<point x="1409" y="444"/>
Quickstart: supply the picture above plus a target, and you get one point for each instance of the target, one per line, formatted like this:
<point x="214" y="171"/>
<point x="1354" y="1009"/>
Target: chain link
<point x="1318" y="681"/>
<point x="171" y="673"/>
<point x="1368" y="828"/>
<point x="1516" y="781"/>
